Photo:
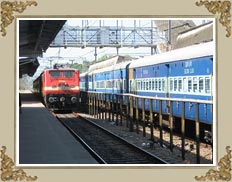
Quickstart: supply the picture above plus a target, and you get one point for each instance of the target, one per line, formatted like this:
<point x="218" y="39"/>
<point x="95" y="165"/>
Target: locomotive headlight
<point x="62" y="99"/>
<point x="51" y="99"/>
<point x="73" y="99"/>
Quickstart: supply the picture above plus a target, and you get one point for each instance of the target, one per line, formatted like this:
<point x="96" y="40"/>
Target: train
<point x="184" y="73"/>
<point x="58" y="88"/>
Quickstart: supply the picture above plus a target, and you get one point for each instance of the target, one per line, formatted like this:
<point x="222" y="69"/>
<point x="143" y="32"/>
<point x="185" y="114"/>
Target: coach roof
<point x="199" y="50"/>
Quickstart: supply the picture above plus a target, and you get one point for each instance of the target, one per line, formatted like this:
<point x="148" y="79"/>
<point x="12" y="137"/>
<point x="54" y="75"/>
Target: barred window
<point x="149" y="88"/>
<point x="190" y="84"/>
<point x="138" y="85"/>
<point x="180" y="84"/>
<point x="163" y="84"/>
<point x="175" y="84"/>
<point x="171" y="84"/>
<point x="201" y="85"/>
<point x="160" y="85"/>
<point x="156" y="84"/>
<point x="195" y="84"/>
<point x="153" y="84"/>
<point x="147" y="85"/>
<point x="207" y="85"/>
<point x="185" y="84"/>
<point x="124" y="84"/>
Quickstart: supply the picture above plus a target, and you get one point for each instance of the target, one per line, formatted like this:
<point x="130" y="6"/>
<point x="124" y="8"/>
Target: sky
<point x="87" y="54"/>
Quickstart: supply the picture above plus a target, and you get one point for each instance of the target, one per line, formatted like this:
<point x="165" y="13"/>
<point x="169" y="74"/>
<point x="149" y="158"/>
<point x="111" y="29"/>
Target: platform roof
<point x="35" y="36"/>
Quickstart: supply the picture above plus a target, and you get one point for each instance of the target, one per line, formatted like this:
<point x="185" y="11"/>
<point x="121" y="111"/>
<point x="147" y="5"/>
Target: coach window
<point x="138" y="84"/>
<point x="153" y="84"/>
<point x="195" y="84"/>
<point x="175" y="84"/>
<point x="160" y="86"/>
<point x="124" y="84"/>
<point x="163" y="84"/>
<point x="111" y="84"/>
<point x="68" y="74"/>
<point x="171" y="84"/>
<point x="107" y="84"/>
<point x="150" y="84"/>
<point x="190" y="84"/>
<point x="207" y="85"/>
<point x="156" y="84"/>
<point x="118" y="84"/>
<point x="201" y="85"/>
<point x="185" y="84"/>
<point x="180" y="84"/>
<point x="147" y="85"/>
<point x="130" y="85"/>
<point x="54" y="74"/>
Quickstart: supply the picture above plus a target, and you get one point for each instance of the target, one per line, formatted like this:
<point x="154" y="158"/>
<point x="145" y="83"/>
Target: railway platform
<point x="37" y="125"/>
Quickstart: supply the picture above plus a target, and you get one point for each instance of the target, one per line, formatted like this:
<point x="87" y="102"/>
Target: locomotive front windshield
<point x="60" y="74"/>
<point x="68" y="74"/>
<point x="55" y="74"/>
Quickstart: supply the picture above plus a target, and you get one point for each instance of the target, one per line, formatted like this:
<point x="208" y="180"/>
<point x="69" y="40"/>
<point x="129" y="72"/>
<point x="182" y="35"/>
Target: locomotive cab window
<point x="68" y="74"/>
<point x="55" y="74"/>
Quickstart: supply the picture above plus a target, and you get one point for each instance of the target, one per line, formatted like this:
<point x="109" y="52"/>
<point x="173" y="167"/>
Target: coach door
<point x="166" y="81"/>
<point x="121" y="82"/>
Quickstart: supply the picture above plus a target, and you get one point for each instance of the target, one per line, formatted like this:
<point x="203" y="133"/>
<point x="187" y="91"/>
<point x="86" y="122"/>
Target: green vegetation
<point x="74" y="66"/>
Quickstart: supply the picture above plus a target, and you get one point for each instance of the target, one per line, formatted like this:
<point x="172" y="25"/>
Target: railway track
<point x="106" y="147"/>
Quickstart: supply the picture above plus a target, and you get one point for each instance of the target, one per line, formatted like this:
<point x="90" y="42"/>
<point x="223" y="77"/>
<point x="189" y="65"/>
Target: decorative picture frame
<point x="223" y="8"/>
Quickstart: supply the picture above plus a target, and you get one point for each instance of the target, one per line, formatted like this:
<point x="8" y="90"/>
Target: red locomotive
<point x="59" y="88"/>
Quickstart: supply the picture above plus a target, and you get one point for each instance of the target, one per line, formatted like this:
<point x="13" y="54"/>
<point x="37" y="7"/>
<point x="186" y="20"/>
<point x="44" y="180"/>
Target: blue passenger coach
<point x="84" y="81"/>
<point x="185" y="73"/>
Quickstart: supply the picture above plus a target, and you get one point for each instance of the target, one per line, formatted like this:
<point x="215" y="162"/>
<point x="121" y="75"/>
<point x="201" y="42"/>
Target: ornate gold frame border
<point x="7" y="12"/>
<point x="223" y="172"/>
<point x="7" y="165"/>
<point x="221" y="7"/>
<point x="7" y="169"/>
<point x="9" y="173"/>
